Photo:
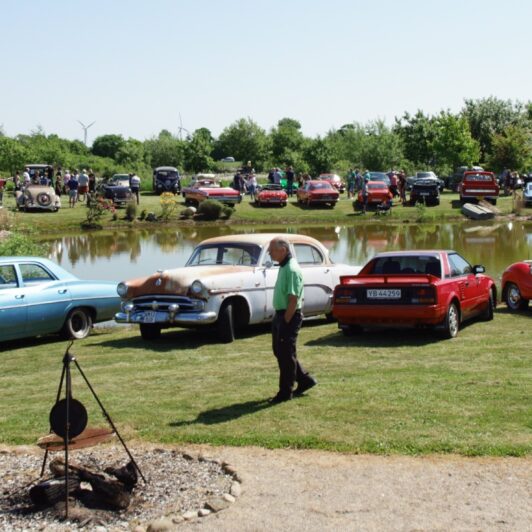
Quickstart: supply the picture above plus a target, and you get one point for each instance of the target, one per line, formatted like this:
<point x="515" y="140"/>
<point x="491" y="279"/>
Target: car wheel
<point x="488" y="313"/>
<point x="77" y="325"/>
<point x="451" y="323"/>
<point x="225" y="325"/>
<point x="329" y="317"/>
<point x="514" y="299"/>
<point x="150" y="332"/>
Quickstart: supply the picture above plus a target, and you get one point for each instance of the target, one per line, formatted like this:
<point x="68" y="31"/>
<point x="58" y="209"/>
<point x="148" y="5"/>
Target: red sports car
<point x="378" y="193"/>
<point x="317" y="192"/>
<point x="517" y="285"/>
<point x="478" y="185"/>
<point x="204" y="189"/>
<point x="335" y="180"/>
<point x="414" y="288"/>
<point x="271" y="195"/>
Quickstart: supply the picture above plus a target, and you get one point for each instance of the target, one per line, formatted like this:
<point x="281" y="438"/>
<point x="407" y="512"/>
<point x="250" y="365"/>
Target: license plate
<point x="424" y="194"/>
<point x="148" y="317"/>
<point x="383" y="293"/>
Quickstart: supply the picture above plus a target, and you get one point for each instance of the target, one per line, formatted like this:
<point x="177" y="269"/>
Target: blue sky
<point x="134" y="66"/>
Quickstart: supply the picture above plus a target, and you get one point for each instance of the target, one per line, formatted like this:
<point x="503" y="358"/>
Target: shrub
<point x="210" y="209"/>
<point x="143" y="214"/>
<point x="227" y="211"/>
<point x="169" y="206"/>
<point x="131" y="210"/>
<point x="19" y="244"/>
<point x="97" y="206"/>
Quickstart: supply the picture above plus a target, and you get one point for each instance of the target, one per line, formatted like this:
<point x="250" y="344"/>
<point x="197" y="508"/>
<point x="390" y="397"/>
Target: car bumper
<point x="167" y="319"/>
<point x="382" y="315"/>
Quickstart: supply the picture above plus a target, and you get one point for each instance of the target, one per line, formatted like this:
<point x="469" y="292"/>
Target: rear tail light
<point x="424" y="295"/>
<point x="343" y="296"/>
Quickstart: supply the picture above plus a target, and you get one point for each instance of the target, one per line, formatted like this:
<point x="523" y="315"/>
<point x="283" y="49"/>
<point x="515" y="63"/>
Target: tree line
<point x="491" y="132"/>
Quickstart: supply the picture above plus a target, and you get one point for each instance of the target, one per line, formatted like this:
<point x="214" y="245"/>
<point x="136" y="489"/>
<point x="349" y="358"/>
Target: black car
<point x="166" y="179"/>
<point x="425" y="190"/>
<point x="117" y="189"/>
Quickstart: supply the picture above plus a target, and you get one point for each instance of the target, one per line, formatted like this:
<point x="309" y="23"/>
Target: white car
<point x="227" y="283"/>
<point x="527" y="193"/>
<point x="38" y="197"/>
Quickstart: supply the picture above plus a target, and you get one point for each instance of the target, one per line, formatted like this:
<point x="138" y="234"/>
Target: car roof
<point x="413" y="252"/>
<point x="259" y="238"/>
<point x="166" y="168"/>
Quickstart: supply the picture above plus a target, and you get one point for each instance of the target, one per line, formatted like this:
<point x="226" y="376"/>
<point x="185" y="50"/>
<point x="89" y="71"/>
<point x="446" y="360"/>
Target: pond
<point x="120" y="255"/>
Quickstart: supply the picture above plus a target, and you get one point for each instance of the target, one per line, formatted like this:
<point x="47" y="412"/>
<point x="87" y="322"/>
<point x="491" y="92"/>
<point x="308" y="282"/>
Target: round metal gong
<point x="77" y="418"/>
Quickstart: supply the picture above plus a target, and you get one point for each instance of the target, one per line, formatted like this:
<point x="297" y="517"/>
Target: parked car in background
<point x="271" y="195"/>
<point x="228" y="159"/>
<point x="38" y="197"/>
<point x="335" y="180"/>
<point x="517" y="285"/>
<point x="117" y="189"/>
<point x="39" y="297"/>
<point x="166" y="179"/>
<point x="227" y="283"/>
<point x="378" y="193"/>
<point x="317" y="192"/>
<point x="410" y="180"/>
<point x="453" y="181"/>
<point x="209" y="188"/>
<point x="477" y="185"/>
<point x="380" y="176"/>
<point x="527" y="193"/>
<point x="438" y="289"/>
<point x="425" y="190"/>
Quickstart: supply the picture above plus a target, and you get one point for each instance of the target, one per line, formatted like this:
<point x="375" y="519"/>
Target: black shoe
<point x="307" y="384"/>
<point x="280" y="398"/>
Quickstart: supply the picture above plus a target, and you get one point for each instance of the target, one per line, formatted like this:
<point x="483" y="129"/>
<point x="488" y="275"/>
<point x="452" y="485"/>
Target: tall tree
<point x="512" y="149"/>
<point x="287" y="141"/>
<point x="488" y="117"/>
<point x="417" y="133"/>
<point x="165" y="150"/>
<point x="245" y="141"/>
<point x="198" y="151"/>
<point x="107" y="145"/>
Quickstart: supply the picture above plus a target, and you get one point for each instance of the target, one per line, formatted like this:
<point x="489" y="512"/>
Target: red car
<point x="517" y="285"/>
<point x="439" y="289"/>
<point x="271" y="195"/>
<point x="477" y="185"/>
<point x="204" y="189"/>
<point x="335" y="180"/>
<point x="378" y="194"/>
<point x="317" y="192"/>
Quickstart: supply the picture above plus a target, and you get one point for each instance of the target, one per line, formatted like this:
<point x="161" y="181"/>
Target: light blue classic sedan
<point x="38" y="297"/>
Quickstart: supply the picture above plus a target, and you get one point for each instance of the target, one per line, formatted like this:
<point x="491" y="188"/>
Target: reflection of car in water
<point x="166" y="179"/>
<point x="38" y="197"/>
<point x="227" y="283"/>
<point x="38" y="297"/>
<point x="414" y="288"/>
<point x="117" y="189"/>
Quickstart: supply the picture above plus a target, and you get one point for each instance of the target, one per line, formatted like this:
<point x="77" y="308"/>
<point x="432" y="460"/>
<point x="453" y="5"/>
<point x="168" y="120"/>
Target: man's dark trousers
<point x="284" y="338"/>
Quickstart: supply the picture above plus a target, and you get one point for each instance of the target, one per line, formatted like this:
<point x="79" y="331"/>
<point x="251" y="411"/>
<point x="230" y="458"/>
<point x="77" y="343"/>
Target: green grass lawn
<point x="69" y="219"/>
<point x="380" y="392"/>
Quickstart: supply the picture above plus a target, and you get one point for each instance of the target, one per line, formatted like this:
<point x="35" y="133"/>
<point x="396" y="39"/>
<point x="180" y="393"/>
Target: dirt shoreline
<point x="318" y="490"/>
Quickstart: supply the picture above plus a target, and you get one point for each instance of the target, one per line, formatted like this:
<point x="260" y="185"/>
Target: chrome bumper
<point x="166" y="318"/>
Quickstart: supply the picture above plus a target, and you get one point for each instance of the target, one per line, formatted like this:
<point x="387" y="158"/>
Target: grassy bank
<point x="69" y="219"/>
<point x="381" y="392"/>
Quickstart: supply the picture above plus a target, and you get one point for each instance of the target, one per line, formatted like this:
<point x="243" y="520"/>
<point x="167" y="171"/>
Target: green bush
<point x="227" y="211"/>
<point x="18" y="244"/>
<point x="131" y="210"/>
<point x="210" y="209"/>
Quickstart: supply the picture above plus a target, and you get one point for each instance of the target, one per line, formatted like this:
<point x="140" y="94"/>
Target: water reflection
<point x="124" y="254"/>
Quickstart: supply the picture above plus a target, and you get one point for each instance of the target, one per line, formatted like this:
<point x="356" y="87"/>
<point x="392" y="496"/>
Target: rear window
<point x="478" y="177"/>
<point x="407" y="264"/>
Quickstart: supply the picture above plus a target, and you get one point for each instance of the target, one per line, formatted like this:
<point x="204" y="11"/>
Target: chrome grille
<point x="186" y="304"/>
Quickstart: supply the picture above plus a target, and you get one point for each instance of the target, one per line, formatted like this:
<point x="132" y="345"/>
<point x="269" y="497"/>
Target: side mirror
<point x="268" y="264"/>
<point x="478" y="268"/>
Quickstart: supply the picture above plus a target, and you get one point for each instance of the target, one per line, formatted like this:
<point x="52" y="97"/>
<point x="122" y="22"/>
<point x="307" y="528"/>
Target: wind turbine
<point x="85" y="130"/>
<point x="180" y="129"/>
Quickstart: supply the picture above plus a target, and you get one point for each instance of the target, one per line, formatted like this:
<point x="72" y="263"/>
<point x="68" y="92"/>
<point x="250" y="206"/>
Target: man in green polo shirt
<point x="287" y="302"/>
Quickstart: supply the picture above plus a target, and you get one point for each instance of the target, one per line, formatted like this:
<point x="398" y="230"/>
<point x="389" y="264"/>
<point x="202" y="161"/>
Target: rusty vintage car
<point x="227" y="284"/>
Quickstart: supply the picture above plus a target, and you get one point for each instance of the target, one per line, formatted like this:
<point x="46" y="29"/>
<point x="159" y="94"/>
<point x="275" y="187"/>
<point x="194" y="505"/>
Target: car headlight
<point x="122" y="289"/>
<point x="196" y="288"/>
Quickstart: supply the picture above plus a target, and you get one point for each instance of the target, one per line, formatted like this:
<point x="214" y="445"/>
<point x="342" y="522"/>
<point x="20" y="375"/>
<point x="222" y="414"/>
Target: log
<point x="48" y="492"/>
<point x="126" y="474"/>
<point x="108" y="490"/>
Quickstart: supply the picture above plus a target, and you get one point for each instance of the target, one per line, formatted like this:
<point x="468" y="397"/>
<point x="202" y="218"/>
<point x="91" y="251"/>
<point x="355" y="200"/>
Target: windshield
<point x="167" y="174"/>
<point x="407" y="264"/>
<point x="225" y="254"/>
<point x="316" y="186"/>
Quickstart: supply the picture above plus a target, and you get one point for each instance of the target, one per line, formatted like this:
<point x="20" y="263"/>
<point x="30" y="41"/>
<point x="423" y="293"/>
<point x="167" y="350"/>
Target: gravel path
<point x="314" y="490"/>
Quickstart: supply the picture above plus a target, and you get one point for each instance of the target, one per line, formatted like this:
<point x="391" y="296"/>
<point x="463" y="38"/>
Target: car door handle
<point x="63" y="291"/>
<point x="326" y="270"/>
<point x="21" y="296"/>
